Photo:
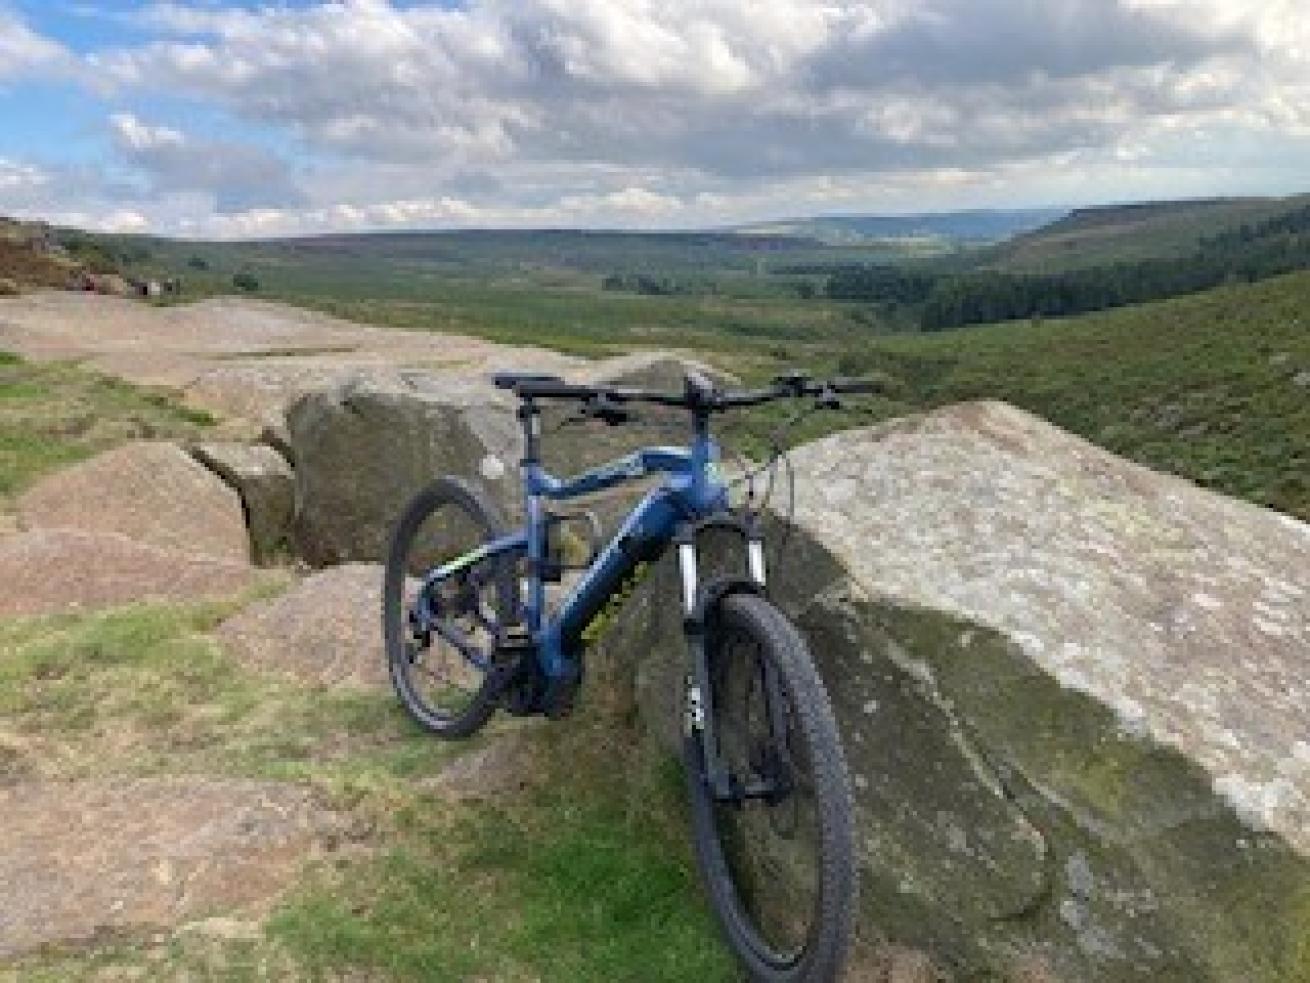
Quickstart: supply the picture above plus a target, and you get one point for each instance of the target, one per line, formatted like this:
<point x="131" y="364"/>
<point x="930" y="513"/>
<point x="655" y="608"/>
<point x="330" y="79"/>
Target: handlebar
<point x="700" y="395"/>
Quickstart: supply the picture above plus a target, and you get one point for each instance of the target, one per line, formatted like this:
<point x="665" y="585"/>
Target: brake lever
<point x="827" y="399"/>
<point x="793" y="382"/>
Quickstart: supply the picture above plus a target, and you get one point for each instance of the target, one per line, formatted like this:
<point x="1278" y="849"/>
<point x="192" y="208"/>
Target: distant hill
<point x="1128" y="233"/>
<point x="579" y="249"/>
<point x="973" y="226"/>
<point x="1244" y="241"/>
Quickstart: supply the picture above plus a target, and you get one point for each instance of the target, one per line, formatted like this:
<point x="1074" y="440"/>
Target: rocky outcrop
<point x="83" y="860"/>
<point x="363" y="447"/>
<point x="263" y="479"/>
<point x="152" y="493"/>
<point x="236" y="357"/>
<point x="1072" y="693"/>
<point x="325" y="631"/>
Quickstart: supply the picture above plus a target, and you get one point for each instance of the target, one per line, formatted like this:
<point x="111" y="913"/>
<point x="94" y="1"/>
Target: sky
<point x="228" y="120"/>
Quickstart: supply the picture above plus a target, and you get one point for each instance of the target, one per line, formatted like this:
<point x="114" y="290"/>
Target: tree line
<point x="947" y="300"/>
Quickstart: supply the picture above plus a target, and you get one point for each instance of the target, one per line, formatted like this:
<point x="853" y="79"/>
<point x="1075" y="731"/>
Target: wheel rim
<point x="440" y="678"/>
<point x="770" y="849"/>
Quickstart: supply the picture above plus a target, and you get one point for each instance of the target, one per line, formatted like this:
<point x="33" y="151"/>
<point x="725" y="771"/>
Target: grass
<point x="577" y="877"/>
<point x="21" y="266"/>
<point x="54" y="414"/>
<point x="581" y="875"/>
<point x="1204" y="386"/>
<point x="1200" y="386"/>
<point x="563" y="886"/>
<point x="541" y="288"/>
<point x="591" y="322"/>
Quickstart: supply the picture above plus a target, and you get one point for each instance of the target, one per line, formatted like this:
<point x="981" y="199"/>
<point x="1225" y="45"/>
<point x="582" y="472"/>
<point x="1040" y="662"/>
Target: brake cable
<point x="777" y="458"/>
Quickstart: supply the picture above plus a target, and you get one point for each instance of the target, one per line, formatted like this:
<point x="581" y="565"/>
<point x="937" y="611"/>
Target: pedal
<point x="514" y="657"/>
<point x="523" y="697"/>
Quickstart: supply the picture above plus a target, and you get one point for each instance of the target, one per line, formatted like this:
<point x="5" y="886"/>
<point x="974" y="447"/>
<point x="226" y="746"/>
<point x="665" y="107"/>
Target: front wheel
<point x="776" y="853"/>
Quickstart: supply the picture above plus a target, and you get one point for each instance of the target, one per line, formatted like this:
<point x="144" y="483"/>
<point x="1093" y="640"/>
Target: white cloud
<point x="240" y="177"/>
<point x="138" y="137"/>
<point x="724" y="87"/>
<point x="630" y="206"/>
<point x="120" y="220"/>
<point x="17" y="177"/>
<point x="674" y="113"/>
<point x="24" y="52"/>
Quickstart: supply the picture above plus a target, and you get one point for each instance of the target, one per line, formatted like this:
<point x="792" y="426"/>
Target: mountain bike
<point x="468" y="632"/>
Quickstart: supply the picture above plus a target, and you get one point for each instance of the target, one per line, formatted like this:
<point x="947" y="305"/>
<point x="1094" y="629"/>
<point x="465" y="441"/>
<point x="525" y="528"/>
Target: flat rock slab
<point x="237" y="356"/>
<point x="153" y="493"/>
<point x="326" y="631"/>
<point x="263" y="479"/>
<point x="47" y="571"/>
<point x="83" y="859"/>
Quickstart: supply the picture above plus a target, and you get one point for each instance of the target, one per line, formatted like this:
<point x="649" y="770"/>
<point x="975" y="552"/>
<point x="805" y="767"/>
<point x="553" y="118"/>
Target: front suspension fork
<point x="699" y="603"/>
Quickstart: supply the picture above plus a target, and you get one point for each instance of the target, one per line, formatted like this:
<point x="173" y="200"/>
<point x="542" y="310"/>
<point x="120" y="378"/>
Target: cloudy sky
<point x="242" y="119"/>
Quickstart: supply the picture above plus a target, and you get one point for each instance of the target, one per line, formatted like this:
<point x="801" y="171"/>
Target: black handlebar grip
<point x="605" y="407"/>
<point x="547" y="389"/>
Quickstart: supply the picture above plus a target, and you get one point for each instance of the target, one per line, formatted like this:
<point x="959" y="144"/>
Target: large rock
<point x="78" y="861"/>
<point x="1072" y="691"/>
<point x="326" y="631"/>
<point x="263" y="479"/>
<point x="45" y="571"/>
<point x="153" y="493"/>
<point x="365" y="446"/>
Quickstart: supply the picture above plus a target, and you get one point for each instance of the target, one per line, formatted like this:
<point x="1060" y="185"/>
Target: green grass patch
<point x="54" y="414"/>
<point x="1214" y="387"/>
<point x="1205" y="387"/>
<point x="1116" y="234"/>
<point x="510" y="897"/>
<point x="146" y="690"/>
<point x="579" y="876"/>
<point x="567" y="882"/>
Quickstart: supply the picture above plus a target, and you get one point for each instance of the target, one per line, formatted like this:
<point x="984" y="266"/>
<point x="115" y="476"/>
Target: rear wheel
<point x="440" y="669"/>
<point x="779" y="868"/>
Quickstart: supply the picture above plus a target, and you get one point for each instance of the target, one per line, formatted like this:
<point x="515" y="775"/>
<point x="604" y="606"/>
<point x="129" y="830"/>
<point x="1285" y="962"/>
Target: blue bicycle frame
<point x="692" y="491"/>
